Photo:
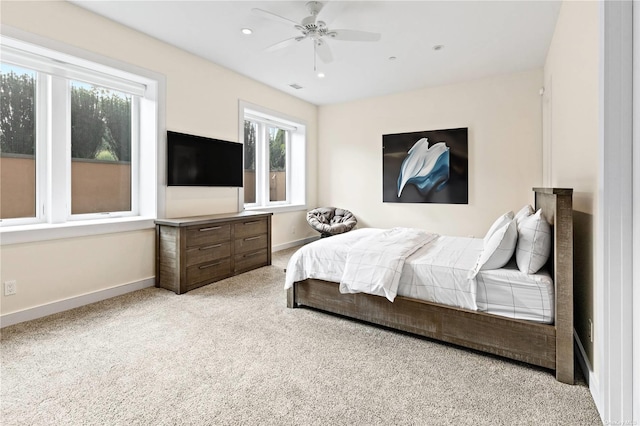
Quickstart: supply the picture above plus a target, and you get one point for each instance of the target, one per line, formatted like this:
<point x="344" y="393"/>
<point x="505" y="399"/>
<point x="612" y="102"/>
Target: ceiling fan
<point x="315" y="30"/>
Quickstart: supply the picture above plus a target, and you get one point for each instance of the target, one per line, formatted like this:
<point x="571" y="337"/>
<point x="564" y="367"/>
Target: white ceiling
<point x="480" y="38"/>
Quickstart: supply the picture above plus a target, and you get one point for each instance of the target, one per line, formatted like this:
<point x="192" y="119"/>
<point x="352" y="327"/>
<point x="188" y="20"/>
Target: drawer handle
<point x="213" y="228"/>
<point x="251" y="255"/>
<point x="252" y="238"/>
<point x="209" y="265"/>
<point x="210" y="247"/>
<point x="251" y="223"/>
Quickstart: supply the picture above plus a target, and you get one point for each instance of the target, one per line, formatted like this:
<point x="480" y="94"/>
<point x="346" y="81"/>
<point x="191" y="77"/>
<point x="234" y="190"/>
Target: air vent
<point x="295" y="86"/>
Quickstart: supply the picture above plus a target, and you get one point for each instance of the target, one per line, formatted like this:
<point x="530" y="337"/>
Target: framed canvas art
<point x="430" y="166"/>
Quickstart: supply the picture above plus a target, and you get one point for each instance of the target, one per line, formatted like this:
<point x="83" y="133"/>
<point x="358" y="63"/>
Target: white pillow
<point x="498" y="250"/>
<point x="534" y="243"/>
<point x="523" y="213"/>
<point x="499" y="223"/>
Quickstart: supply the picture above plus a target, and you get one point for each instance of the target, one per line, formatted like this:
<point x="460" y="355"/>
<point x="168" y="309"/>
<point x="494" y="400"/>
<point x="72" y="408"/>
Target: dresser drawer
<point x="207" y="234"/>
<point x="195" y="251"/>
<point x="248" y="261"/>
<point x="250" y="227"/>
<point x="208" y="253"/>
<point x="256" y="242"/>
<point x="207" y="272"/>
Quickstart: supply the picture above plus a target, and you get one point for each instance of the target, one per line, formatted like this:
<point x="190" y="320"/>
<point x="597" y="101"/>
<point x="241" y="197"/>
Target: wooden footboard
<point x="548" y="346"/>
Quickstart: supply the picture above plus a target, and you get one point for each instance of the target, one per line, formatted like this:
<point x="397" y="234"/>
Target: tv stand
<point x="195" y="251"/>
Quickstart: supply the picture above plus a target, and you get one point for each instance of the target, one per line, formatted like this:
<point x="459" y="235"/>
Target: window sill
<point x="279" y="209"/>
<point x="53" y="231"/>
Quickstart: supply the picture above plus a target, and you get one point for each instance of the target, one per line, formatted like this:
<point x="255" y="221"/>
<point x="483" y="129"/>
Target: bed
<point x="541" y="337"/>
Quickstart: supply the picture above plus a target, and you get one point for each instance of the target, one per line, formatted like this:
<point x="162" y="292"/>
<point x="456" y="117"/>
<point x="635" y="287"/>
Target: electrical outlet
<point x="590" y="330"/>
<point x="10" y="287"/>
<point x="293" y="230"/>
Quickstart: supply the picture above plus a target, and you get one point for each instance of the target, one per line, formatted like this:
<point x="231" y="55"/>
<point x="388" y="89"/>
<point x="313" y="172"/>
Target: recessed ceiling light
<point x="247" y="31"/>
<point x="320" y="75"/>
<point x="438" y="47"/>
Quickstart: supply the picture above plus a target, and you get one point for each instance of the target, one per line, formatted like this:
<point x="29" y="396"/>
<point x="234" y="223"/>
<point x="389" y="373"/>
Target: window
<point x="278" y="142"/>
<point x="17" y="142"/>
<point x="101" y="140"/>
<point x="71" y="138"/>
<point x="274" y="160"/>
<point x="265" y="152"/>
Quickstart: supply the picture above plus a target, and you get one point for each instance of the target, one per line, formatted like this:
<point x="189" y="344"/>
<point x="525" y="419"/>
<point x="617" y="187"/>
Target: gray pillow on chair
<point x="331" y="220"/>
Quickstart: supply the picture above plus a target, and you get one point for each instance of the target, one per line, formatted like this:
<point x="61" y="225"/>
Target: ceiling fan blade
<point x="354" y="35"/>
<point x="273" y="16"/>
<point x="284" y="43"/>
<point x="324" y="52"/>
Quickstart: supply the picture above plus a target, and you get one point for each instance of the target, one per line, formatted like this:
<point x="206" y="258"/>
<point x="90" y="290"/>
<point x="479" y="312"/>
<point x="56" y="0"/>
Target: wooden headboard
<point x="557" y="208"/>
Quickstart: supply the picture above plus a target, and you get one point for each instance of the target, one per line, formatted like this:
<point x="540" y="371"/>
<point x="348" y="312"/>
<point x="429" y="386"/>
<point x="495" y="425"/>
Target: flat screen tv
<point x="199" y="161"/>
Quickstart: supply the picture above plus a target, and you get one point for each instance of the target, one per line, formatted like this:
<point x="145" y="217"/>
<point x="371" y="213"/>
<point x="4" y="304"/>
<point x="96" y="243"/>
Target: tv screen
<point x="199" y="161"/>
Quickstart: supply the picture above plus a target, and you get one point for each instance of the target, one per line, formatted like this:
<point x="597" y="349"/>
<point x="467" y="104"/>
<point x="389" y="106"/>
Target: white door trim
<point x="614" y="239"/>
<point x="636" y="211"/>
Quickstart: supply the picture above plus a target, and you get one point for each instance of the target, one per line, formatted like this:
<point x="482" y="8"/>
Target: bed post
<point x="291" y="300"/>
<point x="558" y="202"/>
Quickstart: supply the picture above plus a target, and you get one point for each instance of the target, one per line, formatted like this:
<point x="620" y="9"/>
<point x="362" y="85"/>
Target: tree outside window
<point x="100" y="130"/>
<point x="17" y="142"/>
<point x="101" y="142"/>
<point x="277" y="164"/>
<point x="275" y="160"/>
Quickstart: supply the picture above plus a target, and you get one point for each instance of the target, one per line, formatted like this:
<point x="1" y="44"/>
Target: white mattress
<point x="437" y="272"/>
<point x="510" y="293"/>
<point x="506" y="292"/>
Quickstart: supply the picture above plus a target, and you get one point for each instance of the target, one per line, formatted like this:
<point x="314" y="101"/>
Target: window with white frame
<point x="72" y="132"/>
<point x="274" y="160"/>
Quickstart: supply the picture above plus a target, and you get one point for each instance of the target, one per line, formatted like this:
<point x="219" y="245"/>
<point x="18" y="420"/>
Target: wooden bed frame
<point x="545" y="345"/>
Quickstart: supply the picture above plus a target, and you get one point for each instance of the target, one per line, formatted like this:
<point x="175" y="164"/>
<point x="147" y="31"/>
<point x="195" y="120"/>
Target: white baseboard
<point x="74" y="302"/>
<point x="587" y="372"/>
<point x="294" y="243"/>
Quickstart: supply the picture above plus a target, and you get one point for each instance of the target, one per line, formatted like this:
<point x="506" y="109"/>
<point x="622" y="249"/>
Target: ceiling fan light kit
<point x="316" y="31"/>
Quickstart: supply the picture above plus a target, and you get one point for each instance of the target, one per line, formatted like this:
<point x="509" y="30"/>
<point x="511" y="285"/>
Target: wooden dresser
<point x="196" y="251"/>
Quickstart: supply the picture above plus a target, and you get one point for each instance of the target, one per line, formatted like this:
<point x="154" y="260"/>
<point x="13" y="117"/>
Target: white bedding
<point x="374" y="263"/>
<point x="510" y="293"/>
<point x="437" y="272"/>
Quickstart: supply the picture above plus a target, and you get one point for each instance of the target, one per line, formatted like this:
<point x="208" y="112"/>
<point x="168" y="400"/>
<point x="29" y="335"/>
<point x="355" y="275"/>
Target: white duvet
<point x="373" y="261"/>
<point x="437" y="272"/>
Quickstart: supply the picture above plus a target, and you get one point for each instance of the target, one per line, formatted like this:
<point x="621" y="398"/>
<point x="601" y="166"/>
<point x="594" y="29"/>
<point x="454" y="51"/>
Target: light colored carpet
<point x="231" y="353"/>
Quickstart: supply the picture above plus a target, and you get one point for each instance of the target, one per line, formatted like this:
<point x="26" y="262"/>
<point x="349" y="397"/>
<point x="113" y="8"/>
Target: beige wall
<point x="503" y="115"/>
<point x="96" y="186"/>
<point x="571" y="141"/>
<point x="202" y="98"/>
<point x="277" y="186"/>
<point x="57" y="270"/>
<point x="17" y="187"/>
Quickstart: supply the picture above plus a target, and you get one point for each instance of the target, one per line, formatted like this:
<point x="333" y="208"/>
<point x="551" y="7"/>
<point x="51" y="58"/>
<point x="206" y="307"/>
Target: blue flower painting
<point x="426" y="167"/>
